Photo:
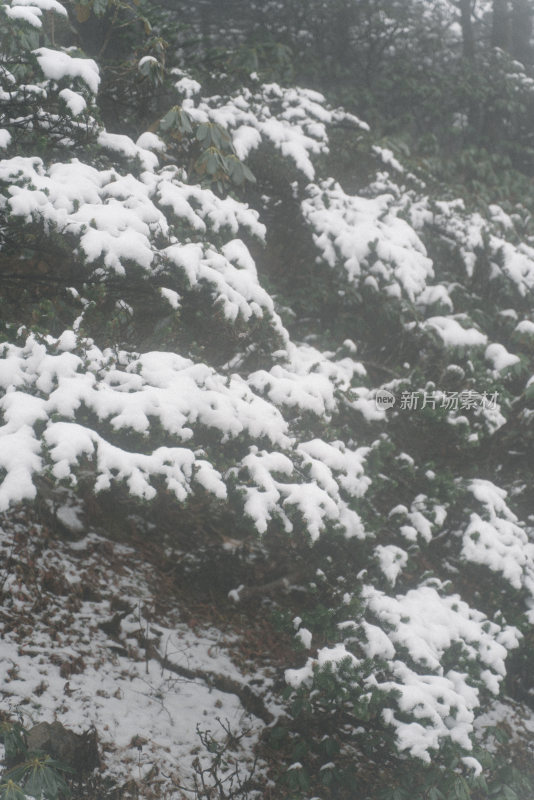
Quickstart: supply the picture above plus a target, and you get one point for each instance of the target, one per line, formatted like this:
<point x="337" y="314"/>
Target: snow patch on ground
<point x="62" y="659"/>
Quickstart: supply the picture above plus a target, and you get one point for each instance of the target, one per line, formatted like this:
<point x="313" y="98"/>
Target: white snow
<point x="452" y="334"/>
<point x="43" y="5"/>
<point x="439" y="704"/>
<point x="57" y="65"/>
<point x="526" y="326"/>
<point x="5" y="138"/>
<point x="75" y="102"/>
<point x="151" y="141"/>
<point x="30" y="14"/>
<point x="254" y="426"/>
<point x="172" y="297"/>
<point x="496" y="540"/>
<point x="188" y="87"/>
<point x="126" y="697"/>
<point x="367" y="238"/>
<point x="499" y="356"/>
<point x="122" y="144"/>
<point x="386" y="155"/>
<point x="392" y="560"/>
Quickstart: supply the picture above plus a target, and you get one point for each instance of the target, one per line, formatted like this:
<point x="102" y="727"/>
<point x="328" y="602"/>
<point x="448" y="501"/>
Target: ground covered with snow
<point x="97" y="635"/>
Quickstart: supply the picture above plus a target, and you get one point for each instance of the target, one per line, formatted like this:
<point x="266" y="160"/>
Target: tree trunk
<point x="343" y="22"/>
<point x="468" y="37"/>
<point x="500" y="30"/>
<point x="522" y="12"/>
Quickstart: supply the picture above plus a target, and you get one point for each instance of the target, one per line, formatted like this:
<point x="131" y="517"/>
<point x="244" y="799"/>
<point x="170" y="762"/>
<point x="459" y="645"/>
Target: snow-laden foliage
<point x="497" y="540"/>
<point x="155" y="362"/>
<point x="407" y="642"/>
<point x="376" y="247"/>
<point x="293" y="120"/>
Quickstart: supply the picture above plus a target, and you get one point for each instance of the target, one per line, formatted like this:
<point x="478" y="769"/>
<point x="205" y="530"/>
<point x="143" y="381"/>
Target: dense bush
<point x="209" y="313"/>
